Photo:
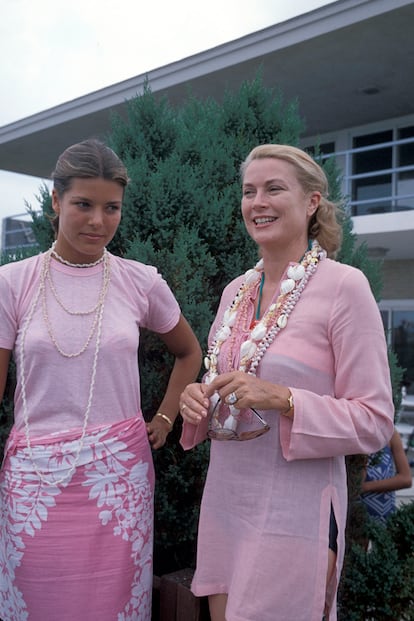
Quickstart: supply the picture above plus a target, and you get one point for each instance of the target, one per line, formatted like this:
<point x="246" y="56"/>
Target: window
<point x="405" y="161"/>
<point x="382" y="172"/>
<point x="367" y="183"/>
<point x="399" y="327"/>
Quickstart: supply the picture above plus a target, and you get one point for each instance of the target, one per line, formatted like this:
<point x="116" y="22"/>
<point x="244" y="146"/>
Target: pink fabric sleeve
<point x="8" y="321"/>
<point x="193" y="434"/>
<point x="359" y="417"/>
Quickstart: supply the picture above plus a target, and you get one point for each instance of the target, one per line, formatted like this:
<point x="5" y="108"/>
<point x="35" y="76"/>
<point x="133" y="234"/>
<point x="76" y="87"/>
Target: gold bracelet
<point x="290" y="403"/>
<point x="166" y="418"/>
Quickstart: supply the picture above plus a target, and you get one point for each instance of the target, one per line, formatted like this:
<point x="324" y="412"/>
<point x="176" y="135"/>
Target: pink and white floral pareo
<point x="106" y="508"/>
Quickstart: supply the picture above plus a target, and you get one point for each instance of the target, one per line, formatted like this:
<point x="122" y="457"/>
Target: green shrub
<point x="378" y="579"/>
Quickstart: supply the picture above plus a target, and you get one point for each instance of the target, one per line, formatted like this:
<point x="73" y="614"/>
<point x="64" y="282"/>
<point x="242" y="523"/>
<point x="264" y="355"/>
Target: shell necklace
<point x="98" y="324"/>
<point x="273" y="321"/>
<point x="263" y="332"/>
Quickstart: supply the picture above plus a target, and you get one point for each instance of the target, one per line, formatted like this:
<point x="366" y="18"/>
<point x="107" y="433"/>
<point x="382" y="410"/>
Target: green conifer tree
<point x="182" y="214"/>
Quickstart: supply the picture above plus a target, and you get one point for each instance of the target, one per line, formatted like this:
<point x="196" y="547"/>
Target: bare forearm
<point x="399" y="481"/>
<point x="185" y="371"/>
<point x="4" y="365"/>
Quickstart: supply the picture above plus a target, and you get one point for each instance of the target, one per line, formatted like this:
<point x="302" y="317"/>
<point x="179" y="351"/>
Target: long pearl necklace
<point x="46" y="277"/>
<point x="100" y="310"/>
<point x="263" y="332"/>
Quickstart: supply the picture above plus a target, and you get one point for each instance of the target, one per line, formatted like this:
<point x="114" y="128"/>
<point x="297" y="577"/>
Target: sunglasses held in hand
<point x="223" y="425"/>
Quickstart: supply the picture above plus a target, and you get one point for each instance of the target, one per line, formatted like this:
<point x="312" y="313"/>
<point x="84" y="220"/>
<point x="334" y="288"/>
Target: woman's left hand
<point x="157" y="430"/>
<point x="249" y="391"/>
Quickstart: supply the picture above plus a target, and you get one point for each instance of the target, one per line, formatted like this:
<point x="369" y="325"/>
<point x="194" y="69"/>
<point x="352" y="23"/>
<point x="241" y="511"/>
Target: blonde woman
<point x="296" y="378"/>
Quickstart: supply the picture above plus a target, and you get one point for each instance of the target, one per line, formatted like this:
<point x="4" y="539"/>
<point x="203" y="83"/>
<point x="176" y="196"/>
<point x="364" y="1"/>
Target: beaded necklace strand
<point x="97" y="323"/>
<point x="62" y="260"/>
<point x="46" y="277"/>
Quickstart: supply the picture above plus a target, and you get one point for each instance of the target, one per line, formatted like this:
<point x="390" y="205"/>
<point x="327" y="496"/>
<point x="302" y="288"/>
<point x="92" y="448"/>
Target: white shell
<point x="207" y="363"/>
<point x="287" y="286"/>
<point x="223" y="333"/>
<point x="258" y="332"/>
<point x="247" y="350"/>
<point x="229" y="318"/>
<point x="230" y="423"/>
<point x="252" y="276"/>
<point x="215" y="397"/>
<point x="209" y="378"/>
<point x="296" y="272"/>
<point x="282" y="321"/>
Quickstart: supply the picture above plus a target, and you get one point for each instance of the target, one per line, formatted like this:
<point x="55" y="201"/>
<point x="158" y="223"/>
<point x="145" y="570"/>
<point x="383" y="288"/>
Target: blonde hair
<point x="325" y="224"/>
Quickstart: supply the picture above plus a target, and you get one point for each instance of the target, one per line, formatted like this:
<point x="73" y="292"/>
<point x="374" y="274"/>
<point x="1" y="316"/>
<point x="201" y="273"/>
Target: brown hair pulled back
<point x="85" y="160"/>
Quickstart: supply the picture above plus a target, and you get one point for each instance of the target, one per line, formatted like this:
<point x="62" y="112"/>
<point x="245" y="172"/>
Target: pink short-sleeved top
<point x="57" y="388"/>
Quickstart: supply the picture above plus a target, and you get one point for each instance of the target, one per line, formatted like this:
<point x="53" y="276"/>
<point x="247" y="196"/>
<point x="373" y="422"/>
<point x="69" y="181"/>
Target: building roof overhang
<point x="347" y="63"/>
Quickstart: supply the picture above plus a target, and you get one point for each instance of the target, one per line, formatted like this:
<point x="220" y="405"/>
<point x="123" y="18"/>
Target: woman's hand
<point x="235" y="388"/>
<point x="194" y="403"/>
<point x="157" y="430"/>
<point x="247" y="391"/>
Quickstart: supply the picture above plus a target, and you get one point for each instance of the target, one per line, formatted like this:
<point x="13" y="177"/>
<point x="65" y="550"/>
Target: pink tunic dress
<point x="80" y="549"/>
<point x="264" y="522"/>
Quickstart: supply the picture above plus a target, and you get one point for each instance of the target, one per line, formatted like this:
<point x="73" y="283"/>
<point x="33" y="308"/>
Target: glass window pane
<point x="403" y="344"/>
<point x="406" y="151"/>
<point x="373" y="187"/>
<point x="404" y="204"/>
<point x="375" y="159"/>
<point x="405" y="179"/>
<point x="385" y="314"/>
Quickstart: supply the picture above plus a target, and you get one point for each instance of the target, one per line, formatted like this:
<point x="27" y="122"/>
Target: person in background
<point x="76" y="485"/>
<point x="297" y="377"/>
<point x="386" y="472"/>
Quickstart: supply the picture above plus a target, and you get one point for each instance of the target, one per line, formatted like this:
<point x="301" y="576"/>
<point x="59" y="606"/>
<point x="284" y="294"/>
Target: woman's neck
<point x="276" y="261"/>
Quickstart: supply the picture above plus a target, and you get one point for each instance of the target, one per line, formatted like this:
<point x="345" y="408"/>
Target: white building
<point x="17" y="232"/>
<point x="350" y="64"/>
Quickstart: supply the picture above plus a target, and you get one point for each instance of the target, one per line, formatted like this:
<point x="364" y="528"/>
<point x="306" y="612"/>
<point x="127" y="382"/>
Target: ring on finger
<point x="232" y="398"/>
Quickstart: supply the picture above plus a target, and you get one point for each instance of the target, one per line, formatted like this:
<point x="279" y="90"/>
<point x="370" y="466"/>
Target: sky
<point x="54" y="51"/>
